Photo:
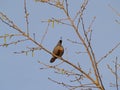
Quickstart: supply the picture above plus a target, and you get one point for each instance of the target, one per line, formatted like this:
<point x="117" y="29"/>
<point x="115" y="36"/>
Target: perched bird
<point x="58" y="50"/>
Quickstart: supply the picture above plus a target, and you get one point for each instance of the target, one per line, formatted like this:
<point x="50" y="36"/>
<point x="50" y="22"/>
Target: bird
<point x="58" y="50"/>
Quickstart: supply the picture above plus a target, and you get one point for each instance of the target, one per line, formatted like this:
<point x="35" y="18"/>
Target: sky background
<point x="21" y="72"/>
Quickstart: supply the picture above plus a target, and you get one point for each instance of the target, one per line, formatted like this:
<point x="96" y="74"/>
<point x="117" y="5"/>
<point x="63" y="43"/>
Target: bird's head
<point x="60" y="41"/>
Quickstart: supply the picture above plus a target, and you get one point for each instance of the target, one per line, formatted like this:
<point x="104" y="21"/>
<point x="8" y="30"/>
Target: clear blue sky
<point x="21" y="72"/>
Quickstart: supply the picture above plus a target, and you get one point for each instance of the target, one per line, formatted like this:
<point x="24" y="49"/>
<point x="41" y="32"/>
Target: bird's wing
<point x="58" y="50"/>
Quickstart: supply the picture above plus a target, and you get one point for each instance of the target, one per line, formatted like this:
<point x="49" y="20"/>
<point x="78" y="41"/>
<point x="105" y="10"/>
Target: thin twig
<point x="108" y="53"/>
<point x="81" y="10"/>
<point x="93" y="60"/>
<point x="10" y="35"/>
<point x="108" y="66"/>
<point x="30" y="50"/>
<point x="73" y="86"/>
<point x="75" y="42"/>
<point x="90" y="30"/>
<point x="114" y="10"/>
<point x="26" y="17"/>
<point x="45" y="33"/>
<point x="66" y="6"/>
<point x="57" y="21"/>
<point x="116" y="74"/>
<point x="15" y="42"/>
<point x="60" y="21"/>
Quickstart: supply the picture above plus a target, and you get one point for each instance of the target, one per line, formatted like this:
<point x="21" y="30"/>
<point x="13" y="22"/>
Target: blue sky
<point x="21" y="72"/>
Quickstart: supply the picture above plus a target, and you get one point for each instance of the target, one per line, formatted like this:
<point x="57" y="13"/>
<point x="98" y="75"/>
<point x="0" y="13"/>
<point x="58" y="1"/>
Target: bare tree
<point x="83" y="79"/>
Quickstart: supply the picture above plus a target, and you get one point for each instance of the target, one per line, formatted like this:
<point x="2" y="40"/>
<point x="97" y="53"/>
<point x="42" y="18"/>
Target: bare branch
<point x="26" y="17"/>
<point x="73" y="87"/>
<point x="14" y="42"/>
<point x="45" y="33"/>
<point x="10" y="35"/>
<point x="114" y="10"/>
<point x="27" y="51"/>
<point x="61" y="21"/>
<point x="116" y="74"/>
<point x="90" y="30"/>
<point x="77" y="73"/>
<point x="66" y="6"/>
<point x="75" y="42"/>
<point x="93" y="59"/>
<point x="80" y="12"/>
<point x="108" y="53"/>
<point x="11" y="24"/>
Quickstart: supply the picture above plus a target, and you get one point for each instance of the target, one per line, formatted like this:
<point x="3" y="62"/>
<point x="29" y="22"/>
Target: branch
<point x="75" y="42"/>
<point x="26" y="17"/>
<point x="89" y="52"/>
<point x="15" y="42"/>
<point x="73" y="87"/>
<point x="66" y="6"/>
<point x="30" y="50"/>
<point x="57" y="21"/>
<point x="11" y="24"/>
<point x="116" y="74"/>
<point x="108" y="53"/>
<point x="45" y="33"/>
<point x="94" y="64"/>
<point x="114" y="10"/>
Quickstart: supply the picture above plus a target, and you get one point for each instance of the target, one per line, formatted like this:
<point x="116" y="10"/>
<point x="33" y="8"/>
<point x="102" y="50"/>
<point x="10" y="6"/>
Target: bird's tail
<point x="52" y="59"/>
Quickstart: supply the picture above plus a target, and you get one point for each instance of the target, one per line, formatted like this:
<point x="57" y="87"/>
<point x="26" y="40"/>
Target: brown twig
<point x="73" y="87"/>
<point x="90" y="30"/>
<point x="15" y="42"/>
<point x="10" y="35"/>
<point x="115" y="73"/>
<point x="45" y="33"/>
<point x="81" y="10"/>
<point x="57" y="21"/>
<point x="75" y="42"/>
<point x="108" y="53"/>
<point x="93" y="59"/>
<point x="114" y="10"/>
<point x="30" y="50"/>
<point x="66" y="2"/>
